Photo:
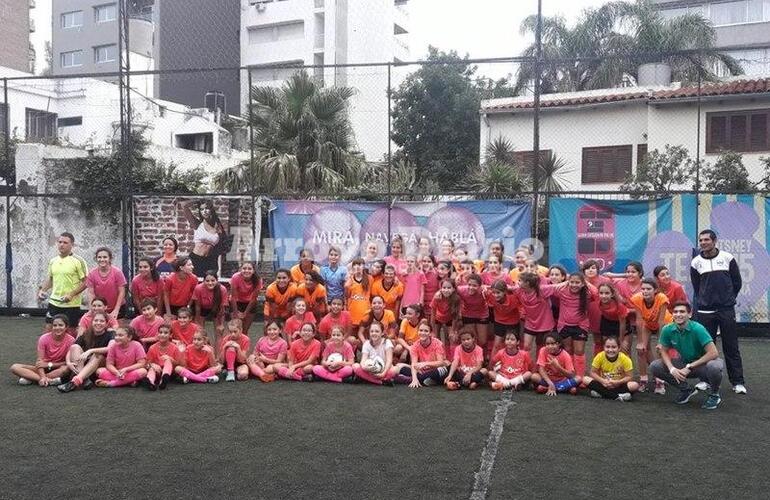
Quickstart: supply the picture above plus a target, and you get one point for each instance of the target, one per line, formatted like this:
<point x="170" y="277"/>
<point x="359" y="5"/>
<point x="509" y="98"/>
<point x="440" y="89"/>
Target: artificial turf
<point x="319" y="440"/>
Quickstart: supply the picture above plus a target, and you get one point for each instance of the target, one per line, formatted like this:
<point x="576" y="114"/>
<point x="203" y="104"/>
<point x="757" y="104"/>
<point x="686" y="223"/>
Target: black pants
<point x="435" y="376"/>
<point x="724" y="319"/>
<point x="458" y="376"/>
<point x="607" y="393"/>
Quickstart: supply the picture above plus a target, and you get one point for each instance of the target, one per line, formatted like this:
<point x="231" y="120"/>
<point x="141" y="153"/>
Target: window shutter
<point x="758" y="139"/>
<point x="608" y="164"/>
<point x="717" y="136"/>
<point x="738" y="133"/>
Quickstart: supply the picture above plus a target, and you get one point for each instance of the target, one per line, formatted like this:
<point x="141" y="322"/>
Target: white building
<point x="603" y="134"/>
<point x="318" y="32"/>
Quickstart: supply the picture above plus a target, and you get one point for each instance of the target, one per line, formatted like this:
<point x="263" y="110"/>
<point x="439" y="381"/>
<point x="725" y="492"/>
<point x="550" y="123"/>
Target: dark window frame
<point x="590" y="174"/>
<point x="731" y="119"/>
<point x="40" y="125"/>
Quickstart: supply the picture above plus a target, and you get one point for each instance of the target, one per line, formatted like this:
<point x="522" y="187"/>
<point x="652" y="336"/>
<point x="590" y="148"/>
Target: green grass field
<point x="292" y="440"/>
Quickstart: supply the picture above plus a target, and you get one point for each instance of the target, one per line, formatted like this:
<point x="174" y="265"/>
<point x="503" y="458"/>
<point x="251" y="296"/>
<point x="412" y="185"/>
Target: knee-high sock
<point x="230" y="356"/>
<point x="256" y="370"/>
<point x="151" y="376"/>
<point x="283" y="372"/>
<point x="201" y="377"/>
<point x="168" y="368"/>
<point x="579" y="360"/>
<point x="128" y="378"/>
<point x="336" y="376"/>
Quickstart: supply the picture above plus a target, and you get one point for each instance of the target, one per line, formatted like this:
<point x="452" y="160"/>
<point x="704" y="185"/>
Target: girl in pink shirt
<point x="574" y="321"/>
<point x="269" y="353"/>
<point x="126" y="360"/>
<point x="98" y="305"/>
<point x="294" y="323"/>
<point x="432" y="282"/>
<point x="108" y="282"/>
<point x="146" y="285"/>
<point x="494" y="271"/>
<point x="536" y="308"/>
<point x="445" y="314"/>
<point x="337" y="316"/>
<point x="428" y="359"/>
<point x="200" y="364"/>
<point x="474" y="311"/>
<point x="337" y="359"/>
<point x="445" y="270"/>
<point x="303" y="354"/>
<point x="396" y="257"/>
<point x="555" y="372"/>
<point x="244" y="290"/>
<point x="590" y="269"/>
<point x="467" y="369"/>
<point x="52" y="348"/>
<point x="233" y="351"/>
<point x="210" y="299"/>
<point x="146" y="325"/>
<point x="414" y="284"/>
<point x="162" y="357"/>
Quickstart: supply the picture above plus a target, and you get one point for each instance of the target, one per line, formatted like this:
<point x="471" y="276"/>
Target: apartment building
<point x="318" y="32"/>
<point x="742" y="27"/>
<point x="15" y="29"/>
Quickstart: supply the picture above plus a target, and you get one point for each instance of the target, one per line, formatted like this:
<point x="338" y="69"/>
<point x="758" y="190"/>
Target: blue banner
<point x="361" y="229"/>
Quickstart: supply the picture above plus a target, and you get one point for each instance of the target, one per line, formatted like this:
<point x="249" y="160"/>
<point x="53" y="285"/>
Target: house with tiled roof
<point x="603" y="134"/>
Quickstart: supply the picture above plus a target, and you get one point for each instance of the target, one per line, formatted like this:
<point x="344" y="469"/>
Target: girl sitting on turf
<point x="88" y="353"/>
<point x="380" y="314"/>
<point x="555" y="372"/>
<point x="611" y="373"/>
<point x="162" y="357"/>
<point x="467" y="363"/>
<point x="505" y="306"/>
<point x="303" y="354"/>
<point x="51" y="365"/>
<point x="146" y="325"/>
<point x="445" y="313"/>
<point x="338" y="358"/>
<point x="269" y="352"/>
<point x="336" y="317"/>
<point x="98" y="305"/>
<point x="376" y="364"/>
<point x="183" y="329"/>
<point x="428" y="360"/>
<point x="126" y="360"/>
<point x="474" y="311"/>
<point x="300" y="316"/>
<point x="200" y="364"/>
<point x="233" y="349"/>
<point x="512" y="367"/>
<point x="407" y="333"/>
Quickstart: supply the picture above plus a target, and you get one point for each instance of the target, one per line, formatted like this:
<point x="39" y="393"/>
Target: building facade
<point x="15" y="29"/>
<point x="742" y="28"/>
<point x="329" y="32"/>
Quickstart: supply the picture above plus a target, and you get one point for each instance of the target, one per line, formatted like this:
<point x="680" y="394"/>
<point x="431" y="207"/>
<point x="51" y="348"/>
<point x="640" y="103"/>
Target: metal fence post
<point x="9" y="180"/>
<point x="390" y="152"/>
<point x="536" y="117"/>
<point x="697" y="155"/>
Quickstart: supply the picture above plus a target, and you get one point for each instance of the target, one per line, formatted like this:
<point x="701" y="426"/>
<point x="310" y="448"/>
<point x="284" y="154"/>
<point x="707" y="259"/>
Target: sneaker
<point x="163" y="382"/>
<point x="624" y="396"/>
<point x="308" y="378"/>
<point x="150" y="385"/>
<point x="703" y="386"/>
<point x="54" y="381"/>
<point x="452" y="385"/>
<point x="230" y="376"/>
<point x="211" y="380"/>
<point x="643" y="384"/>
<point x="739" y="389"/>
<point x="573" y="391"/>
<point x="267" y="378"/>
<point x="349" y="380"/>
<point x="68" y="387"/>
<point x="186" y="380"/>
<point x="712" y="402"/>
<point x="660" y="387"/>
<point x="595" y="394"/>
<point x="685" y="396"/>
<point x="24" y="381"/>
<point x="496" y="386"/>
<point x="87" y="384"/>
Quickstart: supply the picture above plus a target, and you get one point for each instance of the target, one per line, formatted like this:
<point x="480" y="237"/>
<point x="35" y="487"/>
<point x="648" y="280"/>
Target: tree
<point x="607" y="45"/>
<point x="303" y="141"/>
<point x="436" y="116"/>
<point x="728" y="174"/>
<point x="662" y="172"/>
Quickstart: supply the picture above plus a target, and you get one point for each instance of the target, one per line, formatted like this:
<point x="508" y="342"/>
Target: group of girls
<point x="402" y="319"/>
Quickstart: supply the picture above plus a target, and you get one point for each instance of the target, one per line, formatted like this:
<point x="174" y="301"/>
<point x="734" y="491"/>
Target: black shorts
<point x="475" y="321"/>
<point x="609" y="328"/>
<point x="502" y="330"/>
<point x="574" y="333"/>
<point x="175" y="309"/>
<point x="73" y="314"/>
<point x="123" y="312"/>
<point x="534" y="333"/>
<point x="242" y="306"/>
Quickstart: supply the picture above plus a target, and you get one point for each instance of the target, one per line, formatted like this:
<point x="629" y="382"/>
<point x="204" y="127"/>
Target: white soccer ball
<point x="373" y="365"/>
<point x="335" y="357"/>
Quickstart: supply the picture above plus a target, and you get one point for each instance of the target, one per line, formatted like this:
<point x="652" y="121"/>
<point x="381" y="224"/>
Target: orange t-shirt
<point x="409" y="331"/>
<point x="183" y="334"/>
<point x="155" y="353"/>
<point x="277" y="302"/>
<point x="650" y="314"/>
<point x="299" y="351"/>
<point x="514" y="274"/>
<point x="358" y="302"/>
<point x="388" y="320"/>
<point x="316" y="300"/>
<point x="298" y="275"/>
<point x="197" y="360"/>
<point x="390" y="296"/>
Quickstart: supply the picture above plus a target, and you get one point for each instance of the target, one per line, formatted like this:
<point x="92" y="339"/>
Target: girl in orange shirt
<point x="200" y="364"/>
<point x="376" y="270"/>
<point x="390" y="289"/>
<point x="162" y="357"/>
<point x="314" y="293"/>
<point x="377" y="314"/>
<point x="652" y="315"/>
<point x="407" y="333"/>
<point x="305" y="265"/>
<point x="357" y="292"/>
<point x="279" y="296"/>
<point x="303" y="354"/>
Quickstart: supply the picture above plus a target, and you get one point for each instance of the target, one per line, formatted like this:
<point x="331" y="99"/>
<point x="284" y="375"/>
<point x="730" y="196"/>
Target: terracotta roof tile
<point x="735" y="87"/>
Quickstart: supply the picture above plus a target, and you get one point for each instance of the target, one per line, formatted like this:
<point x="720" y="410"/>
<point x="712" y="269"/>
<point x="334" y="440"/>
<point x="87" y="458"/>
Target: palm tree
<point x="608" y="44"/>
<point x="303" y="141"/>
<point x="552" y="175"/>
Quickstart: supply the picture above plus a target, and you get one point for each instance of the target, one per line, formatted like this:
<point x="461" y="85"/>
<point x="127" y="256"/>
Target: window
<point x="274" y="73"/>
<point x="196" y="142"/>
<point x="72" y="19"/>
<point x="277" y="32"/>
<point x="755" y="62"/>
<point x="71" y="121"/>
<point x="3" y="118"/>
<point x="41" y="125"/>
<point x="606" y="164"/>
<point x="524" y="158"/>
<point x="105" y="54"/>
<point x="739" y="131"/>
<point x="737" y="12"/>
<point x="72" y="59"/>
<point x="105" y="13"/>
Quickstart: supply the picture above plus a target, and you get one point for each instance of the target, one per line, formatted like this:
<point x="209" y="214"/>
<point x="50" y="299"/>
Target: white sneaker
<point x="230" y="376"/>
<point x="739" y="389"/>
<point x="595" y="394"/>
<point x="52" y="382"/>
<point x="624" y="396"/>
<point x="212" y="379"/>
<point x="703" y="386"/>
<point x="185" y="380"/>
<point x="660" y="387"/>
<point x="24" y="381"/>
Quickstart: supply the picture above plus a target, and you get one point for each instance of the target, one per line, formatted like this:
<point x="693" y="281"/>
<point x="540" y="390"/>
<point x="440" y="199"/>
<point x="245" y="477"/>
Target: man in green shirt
<point x="66" y="278"/>
<point x="697" y="357"/>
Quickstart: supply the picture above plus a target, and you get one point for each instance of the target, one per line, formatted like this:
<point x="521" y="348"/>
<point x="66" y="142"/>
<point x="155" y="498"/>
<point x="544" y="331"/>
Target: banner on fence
<point x="664" y="232"/>
<point x="218" y="233"/>
<point x="361" y="229"/>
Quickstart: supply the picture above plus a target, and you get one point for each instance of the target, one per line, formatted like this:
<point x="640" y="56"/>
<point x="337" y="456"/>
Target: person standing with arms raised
<point x="716" y="280"/>
<point x="66" y="279"/>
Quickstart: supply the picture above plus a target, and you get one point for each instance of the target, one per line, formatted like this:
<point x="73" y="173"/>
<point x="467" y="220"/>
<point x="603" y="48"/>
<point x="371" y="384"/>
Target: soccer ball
<point x="335" y="357"/>
<point x="373" y="365"/>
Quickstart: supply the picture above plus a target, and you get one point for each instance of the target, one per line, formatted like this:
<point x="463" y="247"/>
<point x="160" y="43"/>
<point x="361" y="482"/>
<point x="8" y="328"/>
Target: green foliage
<point x="436" y="116"/>
<point x="728" y="174"/>
<point x="662" y="172"/>
<point x="8" y="168"/>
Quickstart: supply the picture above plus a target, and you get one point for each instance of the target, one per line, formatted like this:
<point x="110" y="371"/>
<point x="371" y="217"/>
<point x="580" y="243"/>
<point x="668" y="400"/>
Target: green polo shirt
<point x="690" y="341"/>
<point x="66" y="274"/>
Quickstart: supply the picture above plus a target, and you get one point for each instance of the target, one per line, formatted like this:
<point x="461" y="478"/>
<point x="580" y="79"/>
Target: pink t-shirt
<point x="107" y="287"/>
<point x="88" y="318"/>
<point x="346" y="350"/>
<point x="328" y="322"/>
<point x="293" y="324"/>
<point x="399" y="264"/>
<point x="511" y="365"/>
<point x="569" y="309"/>
<point x="205" y="297"/>
<point x="271" y="349"/>
<point x="145" y="328"/>
<point x="468" y="361"/>
<point x="412" y="283"/>
<point x="564" y="358"/>
<point x="472" y="306"/>
<point x="121" y="357"/>
<point x="488" y="278"/>
<point x="146" y="289"/>
<point x="51" y="350"/>
<point x="538" y="316"/>
<point x="422" y="354"/>
<point x="432" y="285"/>
<point x="242" y="290"/>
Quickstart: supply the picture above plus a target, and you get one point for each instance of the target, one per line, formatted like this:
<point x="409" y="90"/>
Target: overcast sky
<point x="480" y="28"/>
